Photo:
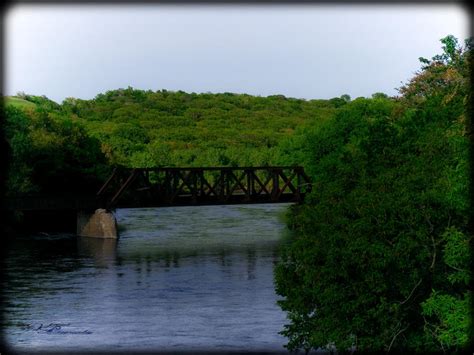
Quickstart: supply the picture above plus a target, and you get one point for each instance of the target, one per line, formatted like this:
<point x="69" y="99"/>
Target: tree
<point x="390" y="196"/>
<point x="379" y="95"/>
<point x="50" y="154"/>
<point x="346" y="98"/>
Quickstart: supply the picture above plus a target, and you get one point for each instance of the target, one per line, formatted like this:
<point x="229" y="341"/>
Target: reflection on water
<point x="103" y="251"/>
<point x="182" y="278"/>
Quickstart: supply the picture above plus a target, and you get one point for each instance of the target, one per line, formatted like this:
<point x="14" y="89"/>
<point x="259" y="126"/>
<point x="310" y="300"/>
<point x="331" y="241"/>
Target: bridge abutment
<point x="100" y="224"/>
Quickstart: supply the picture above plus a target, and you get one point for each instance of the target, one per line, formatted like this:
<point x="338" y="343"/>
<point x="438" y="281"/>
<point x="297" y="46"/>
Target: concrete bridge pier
<point x="100" y="224"/>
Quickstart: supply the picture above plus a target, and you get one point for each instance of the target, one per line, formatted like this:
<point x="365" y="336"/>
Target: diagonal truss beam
<point x="171" y="186"/>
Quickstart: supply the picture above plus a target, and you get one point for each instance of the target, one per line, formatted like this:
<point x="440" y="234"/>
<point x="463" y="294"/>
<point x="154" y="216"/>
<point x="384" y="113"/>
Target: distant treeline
<point x="380" y="257"/>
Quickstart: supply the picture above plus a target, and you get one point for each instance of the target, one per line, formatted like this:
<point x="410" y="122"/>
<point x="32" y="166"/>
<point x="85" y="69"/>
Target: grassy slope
<point x="17" y="102"/>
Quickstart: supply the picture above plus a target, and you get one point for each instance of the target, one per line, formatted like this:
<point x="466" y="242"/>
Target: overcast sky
<point x="304" y="51"/>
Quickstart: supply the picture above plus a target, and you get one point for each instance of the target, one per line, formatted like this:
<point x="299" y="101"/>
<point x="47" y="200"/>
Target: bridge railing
<point x="211" y="185"/>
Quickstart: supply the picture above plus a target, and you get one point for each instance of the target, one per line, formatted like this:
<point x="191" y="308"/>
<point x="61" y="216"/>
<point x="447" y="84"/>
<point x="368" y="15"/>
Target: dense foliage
<point x="145" y="128"/>
<point x="52" y="142"/>
<point x="380" y="257"/>
<point x="50" y="153"/>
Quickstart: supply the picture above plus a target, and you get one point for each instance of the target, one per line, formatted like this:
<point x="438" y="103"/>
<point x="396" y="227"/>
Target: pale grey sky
<point x="303" y="51"/>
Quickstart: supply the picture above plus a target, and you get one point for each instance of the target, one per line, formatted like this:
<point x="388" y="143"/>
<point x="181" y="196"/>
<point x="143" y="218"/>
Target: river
<point x="177" y="279"/>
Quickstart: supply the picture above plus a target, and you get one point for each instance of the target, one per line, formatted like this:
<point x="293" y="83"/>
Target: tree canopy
<point x="380" y="257"/>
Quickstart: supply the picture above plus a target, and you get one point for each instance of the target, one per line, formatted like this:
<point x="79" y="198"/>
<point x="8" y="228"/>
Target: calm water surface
<point x="186" y="278"/>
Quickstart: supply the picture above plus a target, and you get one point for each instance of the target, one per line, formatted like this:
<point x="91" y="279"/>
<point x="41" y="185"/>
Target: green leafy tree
<point x="50" y="154"/>
<point x="446" y="312"/>
<point x="390" y="196"/>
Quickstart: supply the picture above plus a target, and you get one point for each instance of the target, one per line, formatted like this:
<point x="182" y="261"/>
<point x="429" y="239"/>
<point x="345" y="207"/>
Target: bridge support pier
<point x="100" y="224"/>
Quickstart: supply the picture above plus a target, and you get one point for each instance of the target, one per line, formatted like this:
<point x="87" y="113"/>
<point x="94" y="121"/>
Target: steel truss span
<point x="158" y="187"/>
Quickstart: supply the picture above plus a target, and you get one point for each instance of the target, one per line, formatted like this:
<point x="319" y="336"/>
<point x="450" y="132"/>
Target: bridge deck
<point x="160" y="187"/>
<point x="201" y="186"/>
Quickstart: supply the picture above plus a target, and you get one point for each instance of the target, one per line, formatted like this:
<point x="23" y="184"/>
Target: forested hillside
<point x="144" y="128"/>
<point x="137" y="128"/>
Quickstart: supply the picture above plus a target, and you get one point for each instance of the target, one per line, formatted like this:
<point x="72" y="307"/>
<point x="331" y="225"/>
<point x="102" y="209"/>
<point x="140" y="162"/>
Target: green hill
<point x="140" y="128"/>
<point x="18" y="102"/>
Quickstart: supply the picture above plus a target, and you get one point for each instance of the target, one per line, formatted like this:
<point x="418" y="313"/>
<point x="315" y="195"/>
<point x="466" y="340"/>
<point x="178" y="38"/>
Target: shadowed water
<point x="186" y="278"/>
